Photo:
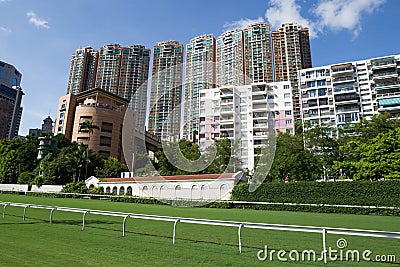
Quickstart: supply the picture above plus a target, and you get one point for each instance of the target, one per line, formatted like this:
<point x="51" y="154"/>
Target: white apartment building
<point x="340" y="95"/>
<point x="246" y="114"/>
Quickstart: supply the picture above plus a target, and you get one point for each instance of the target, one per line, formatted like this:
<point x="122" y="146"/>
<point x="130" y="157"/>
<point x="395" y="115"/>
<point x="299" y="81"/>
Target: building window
<point x="105" y="141"/>
<point x="286" y="95"/>
<point x="288" y="104"/>
<point x="288" y="122"/>
<point x="106" y="127"/>
<point x="288" y="112"/>
<point x="286" y="86"/>
<point x="104" y="154"/>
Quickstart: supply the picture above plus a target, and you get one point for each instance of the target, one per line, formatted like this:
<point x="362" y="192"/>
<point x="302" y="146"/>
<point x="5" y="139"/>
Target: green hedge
<point x="173" y="202"/>
<point x="360" y="193"/>
<point x="51" y="195"/>
<point x="12" y="192"/>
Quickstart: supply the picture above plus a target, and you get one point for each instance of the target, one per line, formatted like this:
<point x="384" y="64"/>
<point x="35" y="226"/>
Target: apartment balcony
<point x="344" y="79"/>
<point x="383" y="63"/>
<point x="226" y="111"/>
<point x="346" y="102"/>
<point x="260" y="126"/>
<point x="387" y="95"/>
<point x="389" y="85"/>
<point x="226" y="120"/>
<point x="226" y="102"/>
<point x="342" y="71"/>
<point x="344" y="90"/>
<point x="226" y="94"/>
<point x="384" y="75"/>
<point x="260" y="115"/>
<point x="389" y="104"/>
<point x="348" y="109"/>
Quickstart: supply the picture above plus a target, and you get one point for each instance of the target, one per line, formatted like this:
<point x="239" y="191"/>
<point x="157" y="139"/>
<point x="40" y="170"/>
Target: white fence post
<point x="23" y="218"/>
<point x="324" y="244"/>
<point x="51" y="214"/>
<point x="240" y="238"/>
<point x="4" y="210"/>
<point x="174" y="235"/>
<point x="124" y="225"/>
<point x="83" y="220"/>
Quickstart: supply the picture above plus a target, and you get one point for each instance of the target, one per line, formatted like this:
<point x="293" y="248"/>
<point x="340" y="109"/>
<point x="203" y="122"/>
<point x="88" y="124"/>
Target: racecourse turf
<point x="34" y="242"/>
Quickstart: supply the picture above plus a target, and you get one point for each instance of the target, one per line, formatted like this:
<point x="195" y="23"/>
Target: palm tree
<point x="90" y="126"/>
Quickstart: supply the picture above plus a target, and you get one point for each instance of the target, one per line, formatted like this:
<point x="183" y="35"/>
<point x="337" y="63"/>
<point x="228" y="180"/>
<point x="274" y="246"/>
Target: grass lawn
<point x="34" y="242"/>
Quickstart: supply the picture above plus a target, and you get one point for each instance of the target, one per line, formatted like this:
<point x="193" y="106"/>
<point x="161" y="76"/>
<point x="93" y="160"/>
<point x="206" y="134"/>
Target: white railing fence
<point x="280" y="227"/>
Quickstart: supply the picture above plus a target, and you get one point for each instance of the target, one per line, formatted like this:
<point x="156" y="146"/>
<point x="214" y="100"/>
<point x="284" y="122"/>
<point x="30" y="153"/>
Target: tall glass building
<point x="291" y="45"/>
<point x="166" y="90"/>
<point x="200" y="74"/>
<point x="10" y="100"/>
<point x="121" y="70"/>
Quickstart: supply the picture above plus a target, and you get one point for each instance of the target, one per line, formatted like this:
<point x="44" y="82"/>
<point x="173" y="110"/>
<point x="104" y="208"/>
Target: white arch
<point x="177" y="190"/>
<point x="163" y="191"/>
<point x="145" y="191"/>
<point x="195" y="192"/>
<point x="223" y="190"/>
<point x="121" y="190"/>
<point x="154" y="191"/>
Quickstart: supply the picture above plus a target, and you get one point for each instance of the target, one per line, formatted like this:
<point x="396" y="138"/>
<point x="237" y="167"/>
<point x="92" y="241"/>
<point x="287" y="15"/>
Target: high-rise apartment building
<point x="291" y="49"/>
<point x="166" y="90"/>
<point x="116" y="69"/>
<point x="83" y="70"/>
<point x="229" y="59"/>
<point x="245" y="114"/>
<point x="257" y="53"/>
<point x="199" y="74"/>
<point x="340" y="95"/>
<point x="10" y="100"/>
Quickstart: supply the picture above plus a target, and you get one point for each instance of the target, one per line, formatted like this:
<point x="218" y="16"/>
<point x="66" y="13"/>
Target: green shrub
<point x="75" y="187"/>
<point x="360" y="193"/>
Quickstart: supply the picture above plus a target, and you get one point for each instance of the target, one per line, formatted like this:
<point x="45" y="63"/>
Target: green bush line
<point x="12" y="192"/>
<point x="357" y="193"/>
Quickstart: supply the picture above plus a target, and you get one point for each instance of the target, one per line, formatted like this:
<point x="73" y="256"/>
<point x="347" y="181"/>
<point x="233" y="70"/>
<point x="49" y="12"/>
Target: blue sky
<point x="39" y="37"/>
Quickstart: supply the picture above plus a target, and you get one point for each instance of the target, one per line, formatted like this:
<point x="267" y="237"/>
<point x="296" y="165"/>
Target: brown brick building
<point x="103" y="109"/>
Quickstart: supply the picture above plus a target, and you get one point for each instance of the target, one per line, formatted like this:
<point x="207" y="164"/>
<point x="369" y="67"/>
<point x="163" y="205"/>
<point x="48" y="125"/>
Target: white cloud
<point x="3" y="1"/>
<point x="5" y="29"/>
<point x="35" y="20"/>
<point x="240" y="24"/>
<point x="343" y="14"/>
<point x="286" y="11"/>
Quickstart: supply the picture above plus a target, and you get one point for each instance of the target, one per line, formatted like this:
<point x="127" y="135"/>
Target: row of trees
<point x="72" y="162"/>
<point x="371" y="152"/>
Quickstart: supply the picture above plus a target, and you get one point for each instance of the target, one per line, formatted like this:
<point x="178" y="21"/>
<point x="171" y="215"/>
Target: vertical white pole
<point x="240" y="238"/>
<point x="83" y="220"/>
<point x="51" y="214"/>
<point x="324" y="244"/>
<point x="27" y="206"/>
<point x="174" y="235"/>
<point x="124" y="225"/>
<point x="4" y="210"/>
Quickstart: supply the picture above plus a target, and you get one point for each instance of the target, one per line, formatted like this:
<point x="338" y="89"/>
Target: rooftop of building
<point x="176" y="178"/>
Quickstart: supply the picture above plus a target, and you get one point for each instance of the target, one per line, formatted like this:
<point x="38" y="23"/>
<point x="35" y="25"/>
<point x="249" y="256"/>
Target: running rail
<point x="239" y="225"/>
